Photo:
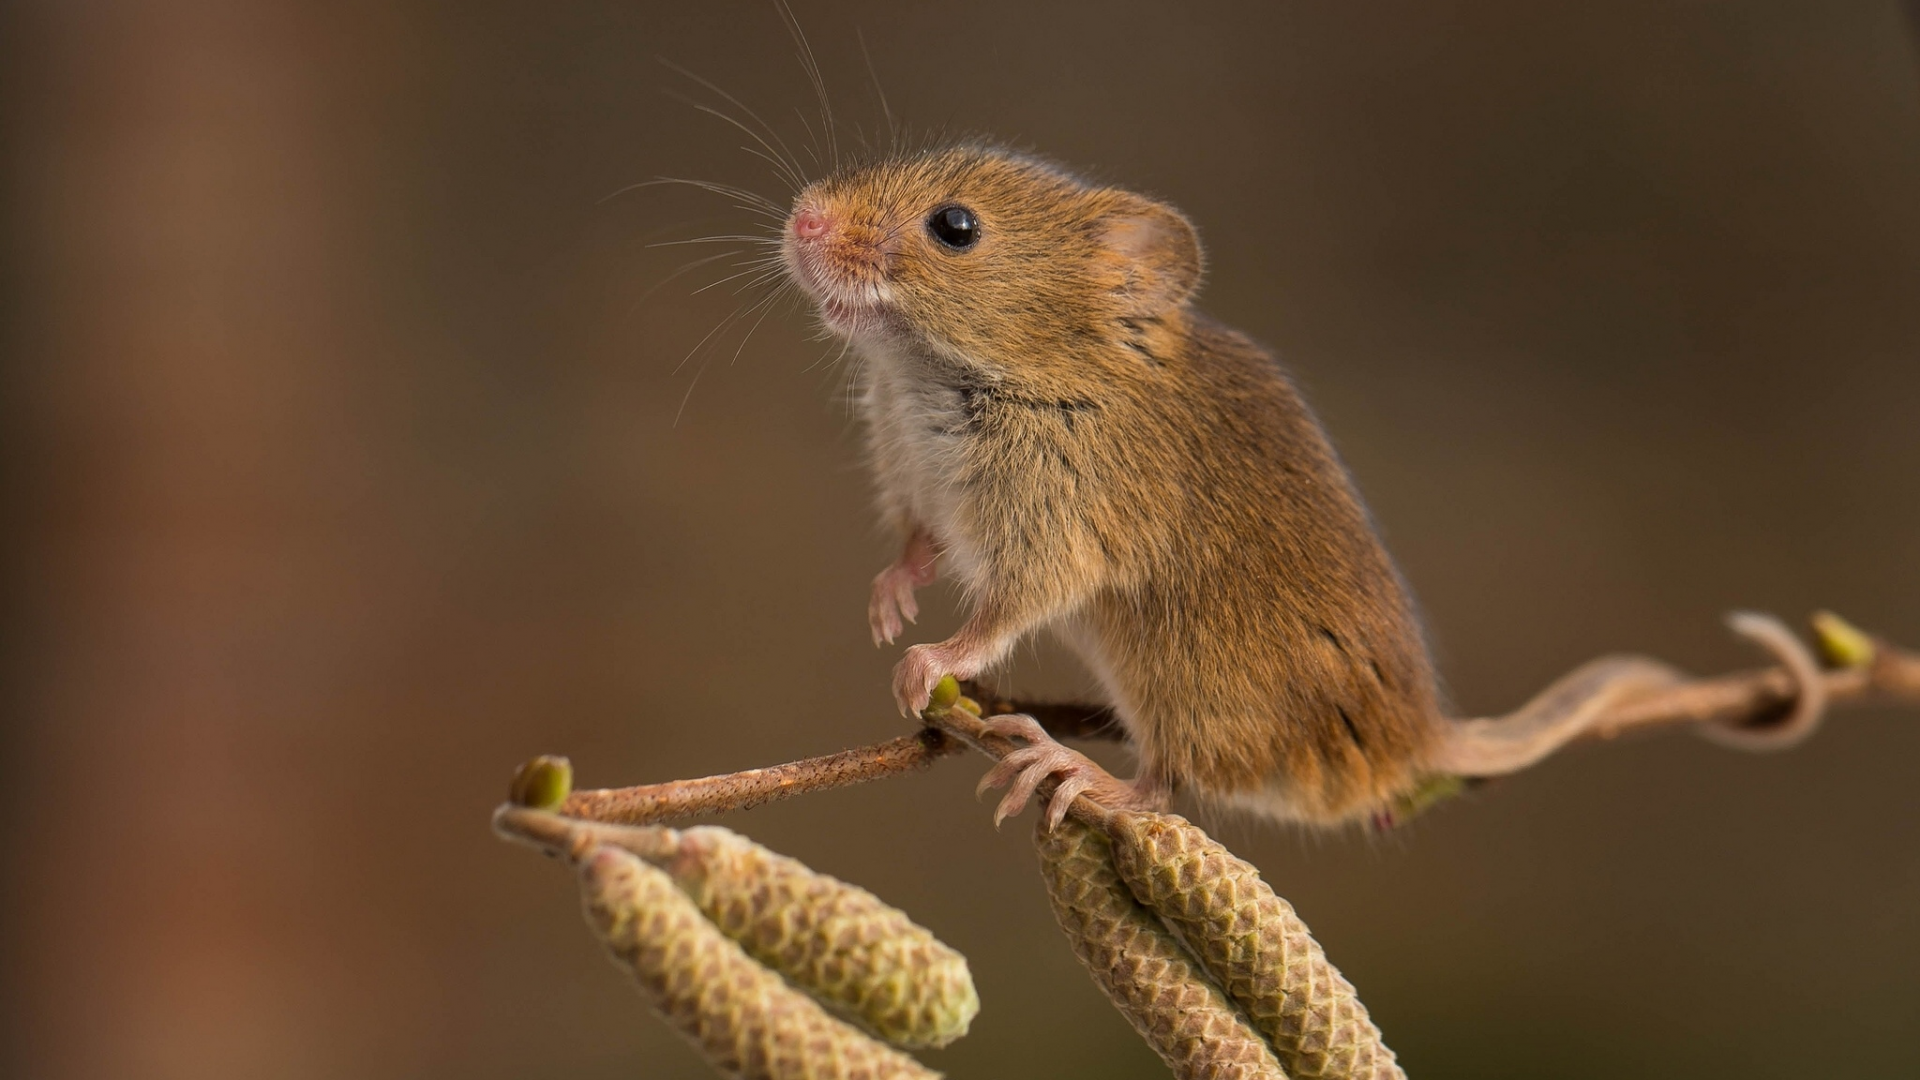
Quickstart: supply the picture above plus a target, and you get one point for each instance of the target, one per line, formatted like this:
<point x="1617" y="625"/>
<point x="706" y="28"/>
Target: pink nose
<point x="811" y="224"/>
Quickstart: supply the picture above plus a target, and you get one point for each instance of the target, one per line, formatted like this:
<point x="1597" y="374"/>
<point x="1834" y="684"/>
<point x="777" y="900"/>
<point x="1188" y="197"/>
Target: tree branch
<point x="1742" y="702"/>
<point x="681" y="799"/>
<point x="1753" y="698"/>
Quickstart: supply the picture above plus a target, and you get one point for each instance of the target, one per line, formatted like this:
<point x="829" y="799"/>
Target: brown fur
<point x="1092" y="455"/>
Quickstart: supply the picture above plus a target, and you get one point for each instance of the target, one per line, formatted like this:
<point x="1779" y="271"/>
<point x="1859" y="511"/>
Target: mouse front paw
<point x="891" y="605"/>
<point x="1043" y="759"/>
<point x="923" y="666"/>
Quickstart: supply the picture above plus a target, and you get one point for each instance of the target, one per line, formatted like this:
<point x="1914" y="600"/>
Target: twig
<point x="1747" y="700"/>
<point x="573" y="839"/>
<point x="1755" y="697"/>
<point x="681" y="799"/>
<point x="1062" y="719"/>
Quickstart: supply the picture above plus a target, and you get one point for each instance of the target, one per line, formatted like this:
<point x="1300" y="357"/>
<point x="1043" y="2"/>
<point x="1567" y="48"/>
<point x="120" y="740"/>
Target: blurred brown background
<point x="344" y="474"/>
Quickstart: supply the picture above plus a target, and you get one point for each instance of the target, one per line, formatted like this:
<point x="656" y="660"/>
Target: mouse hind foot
<point x="1074" y="774"/>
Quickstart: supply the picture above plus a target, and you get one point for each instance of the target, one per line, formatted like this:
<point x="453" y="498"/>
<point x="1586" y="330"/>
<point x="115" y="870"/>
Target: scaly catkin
<point x="1143" y="970"/>
<point x="744" y="1018"/>
<point x="1253" y="945"/>
<point x="837" y="941"/>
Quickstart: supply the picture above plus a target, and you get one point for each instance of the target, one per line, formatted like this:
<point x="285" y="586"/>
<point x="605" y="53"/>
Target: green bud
<point x="1841" y="644"/>
<point x="542" y="783"/>
<point x="945" y="693"/>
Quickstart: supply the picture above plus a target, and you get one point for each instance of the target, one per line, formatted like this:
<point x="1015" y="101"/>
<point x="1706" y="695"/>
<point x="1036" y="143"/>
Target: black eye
<point x="954" y="226"/>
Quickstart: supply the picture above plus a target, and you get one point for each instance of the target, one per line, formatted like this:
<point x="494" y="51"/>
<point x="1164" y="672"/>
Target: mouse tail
<point x="1581" y="702"/>
<point x="1498" y="745"/>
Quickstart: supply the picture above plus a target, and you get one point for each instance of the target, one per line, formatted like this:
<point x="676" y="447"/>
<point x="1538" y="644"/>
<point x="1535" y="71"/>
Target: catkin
<point x="836" y="941"/>
<point x="1253" y="945"/>
<point x="1142" y="969"/>
<point x="744" y="1018"/>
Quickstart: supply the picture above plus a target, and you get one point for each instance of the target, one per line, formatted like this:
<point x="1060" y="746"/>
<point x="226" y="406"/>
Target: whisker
<point x="893" y="135"/>
<point x="733" y="191"/>
<point x="702" y="342"/>
<point x="676" y="226"/>
<point x="829" y="357"/>
<point x="772" y="274"/>
<point x="854" y="371"/>
<point x="684" y="269"/>
<point x="728" y="321"/>
<point x="754" y="203"/>
<point x="766" y="308"/>
<point x="787" y="174"/>
<point x="812" y="67"/>
<point x="797" y="175"/>
<point x="688" y="396"/>
<point x="813" y="150"/>
<point x="737" y="238"/>
<point x="756" y="268"/>
<point x="728" y="190"/>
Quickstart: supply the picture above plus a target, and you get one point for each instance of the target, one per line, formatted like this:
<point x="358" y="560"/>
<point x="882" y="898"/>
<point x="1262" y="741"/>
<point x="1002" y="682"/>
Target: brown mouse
<point x="1050" y="419"/>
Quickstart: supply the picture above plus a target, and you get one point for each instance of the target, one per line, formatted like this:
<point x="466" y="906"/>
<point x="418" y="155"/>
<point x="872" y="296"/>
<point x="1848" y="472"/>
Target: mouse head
<point x="991" y="259"/>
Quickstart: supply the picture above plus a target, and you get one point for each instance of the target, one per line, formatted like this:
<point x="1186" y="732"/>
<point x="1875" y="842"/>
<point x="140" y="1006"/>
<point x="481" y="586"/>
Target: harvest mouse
<point x="1051" y="421"/>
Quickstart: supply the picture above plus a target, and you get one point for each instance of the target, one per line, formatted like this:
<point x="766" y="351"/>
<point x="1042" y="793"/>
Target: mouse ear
<point x="1158" y="250"/>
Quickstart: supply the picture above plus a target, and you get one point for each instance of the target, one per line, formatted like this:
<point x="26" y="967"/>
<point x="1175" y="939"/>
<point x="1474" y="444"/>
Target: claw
<point x="1063" y="797"/>
<point x="1024" y="768"/>
<point x="892" y="598"/>
<point x="915" y="676"/>
<point x="891" y="604"/>
<point x="1029" y="766"/>
<point x="998" y="776"/>
<point x="1037" y="764"/>
<point x="1011" y="726"/>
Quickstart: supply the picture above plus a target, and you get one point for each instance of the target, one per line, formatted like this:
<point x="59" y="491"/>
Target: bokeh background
<point x="351" y="459"/>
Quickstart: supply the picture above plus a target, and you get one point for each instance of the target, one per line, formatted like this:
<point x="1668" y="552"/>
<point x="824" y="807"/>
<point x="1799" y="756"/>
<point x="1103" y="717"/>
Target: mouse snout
<point x="837" y="242"/>
<point x="811" y="224"/>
